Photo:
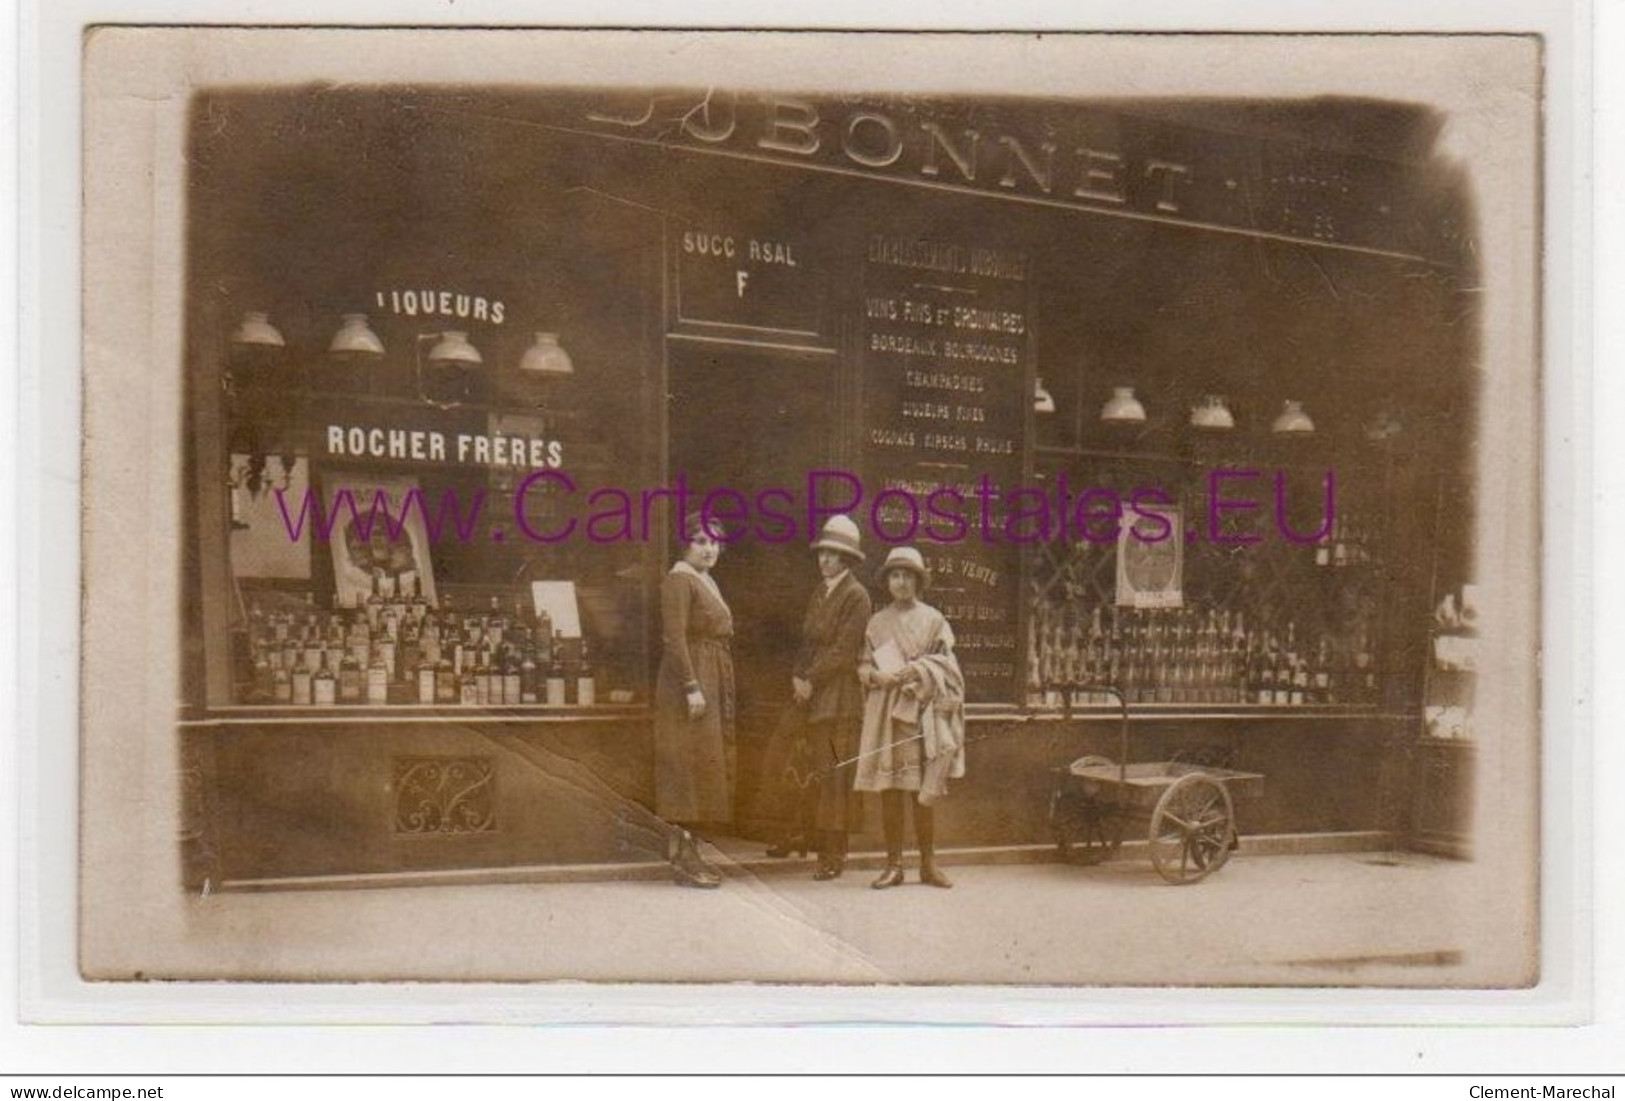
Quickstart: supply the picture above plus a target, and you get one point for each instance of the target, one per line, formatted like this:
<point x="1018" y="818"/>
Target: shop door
<point x="753" y="422"/>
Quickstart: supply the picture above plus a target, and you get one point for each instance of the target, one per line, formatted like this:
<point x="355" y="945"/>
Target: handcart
<point x="1192" y="813"/>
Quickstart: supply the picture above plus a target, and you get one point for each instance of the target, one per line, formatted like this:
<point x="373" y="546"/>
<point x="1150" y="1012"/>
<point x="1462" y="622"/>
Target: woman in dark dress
<point x="826" y="681"/>
<point x="694" y="705"/>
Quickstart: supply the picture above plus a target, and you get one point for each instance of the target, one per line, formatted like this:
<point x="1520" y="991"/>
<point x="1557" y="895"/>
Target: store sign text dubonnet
<point x="1073" y="156"/>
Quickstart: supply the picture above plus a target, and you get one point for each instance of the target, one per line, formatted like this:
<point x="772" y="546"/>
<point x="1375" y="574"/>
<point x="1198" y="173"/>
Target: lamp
<point x="1212" y="415"/>
<point x="1043" y="400"/>
<point x="547" y="357"/>
<point x="453" y="350"/>
<point x="1292" y="420"/>
<point x="1123" y="407"/>
<point x="355" y="339"/>
<point x="256" y="330"/>
<point x="454" y="379"/>
<point x="1383" y="427"/>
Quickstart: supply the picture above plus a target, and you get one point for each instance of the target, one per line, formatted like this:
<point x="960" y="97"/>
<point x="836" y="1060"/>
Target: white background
<point x="42" y="500"/>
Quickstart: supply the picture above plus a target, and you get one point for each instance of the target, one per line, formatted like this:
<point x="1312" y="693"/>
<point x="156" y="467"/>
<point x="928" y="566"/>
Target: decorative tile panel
<point x="441" y="796"/>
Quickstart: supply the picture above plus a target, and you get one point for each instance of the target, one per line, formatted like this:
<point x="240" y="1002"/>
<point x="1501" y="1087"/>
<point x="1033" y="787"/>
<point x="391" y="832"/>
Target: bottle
<point x="468" y="693"/>
<point x="530" y="677"/>
<point x="428" y="689"/>
<point x="544" y="637"/>
<point x="482" y="677"/>
<point x="510" y="675"/>
<point x="446" y="690"/>
<point x="352" y="685"/>
<point x="1321" y="682"/>
<point x="586" y="680"/>
<point x="313" y="650"/>
<point x="496" y="631"/>
<point x="387" y="653"/>
<point x="301" y="686"/>
<point x="378" y="676"/>
<point x="429" y="642"/>
<point x="324" y="687"/>
<point x="264" y="676"/>
<point x="419" y="605"/>
<point x="1365" y="677"/>
<point x="374" y="608"/>
<point x="451" y="646"/>
<point x="282" y="684"/>
<point x="555" y="673"/>
<point x="1300" y="682"/>
<point x="407" y="647"/>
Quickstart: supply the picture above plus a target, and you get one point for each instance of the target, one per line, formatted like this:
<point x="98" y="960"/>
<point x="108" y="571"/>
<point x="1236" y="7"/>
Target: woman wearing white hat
<point x="913" y="737"/>
<point x="825" y="681"/>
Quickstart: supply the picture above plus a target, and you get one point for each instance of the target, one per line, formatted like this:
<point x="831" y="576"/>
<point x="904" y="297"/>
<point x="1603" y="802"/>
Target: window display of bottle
<point x="445" y="683"/>
<point x="428" y="683"/>
<point x="555" y="673"/>
<point x="378" y="676"/>
<point x="530" y="676"/>
<point x="511" y="678"/>
<point x="586" y="679"/>
<point x="324" y="687"/>
<point x="482" y="677"/>
<point x="352" y="686"/>
<point x="385" y="651"/>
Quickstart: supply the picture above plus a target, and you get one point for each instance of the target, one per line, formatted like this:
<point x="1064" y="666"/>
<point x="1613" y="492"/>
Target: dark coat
<point x="831" y="644"/>
<point x="694" y="758"/>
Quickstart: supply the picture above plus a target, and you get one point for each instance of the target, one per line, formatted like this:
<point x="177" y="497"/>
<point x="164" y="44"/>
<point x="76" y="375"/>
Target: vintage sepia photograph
<point x="836" y="510"/>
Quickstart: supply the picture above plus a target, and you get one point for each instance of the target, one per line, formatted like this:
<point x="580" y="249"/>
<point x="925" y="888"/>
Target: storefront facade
<point x="1175" y="397"/>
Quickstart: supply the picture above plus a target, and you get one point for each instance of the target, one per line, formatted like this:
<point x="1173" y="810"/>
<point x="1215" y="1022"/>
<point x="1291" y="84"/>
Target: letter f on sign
<point x="740" y="278"/>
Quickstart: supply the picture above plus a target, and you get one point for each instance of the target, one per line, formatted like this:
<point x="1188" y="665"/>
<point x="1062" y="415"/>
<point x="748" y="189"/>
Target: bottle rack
<point x="1200" y="656"/>
<point x="400" y="649"/>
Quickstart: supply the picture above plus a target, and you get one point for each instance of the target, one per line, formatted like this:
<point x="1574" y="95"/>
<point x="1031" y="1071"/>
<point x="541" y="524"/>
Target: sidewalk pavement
<point x="1329" y="919"/>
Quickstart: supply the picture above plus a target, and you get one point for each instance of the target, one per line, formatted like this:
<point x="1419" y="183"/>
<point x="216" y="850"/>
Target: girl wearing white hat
<point x="913" y="738"/>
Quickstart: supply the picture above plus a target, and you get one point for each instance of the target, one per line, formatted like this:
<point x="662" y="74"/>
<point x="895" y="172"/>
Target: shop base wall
<point x="358" y="800"/>
<point x="1321" y="775"/>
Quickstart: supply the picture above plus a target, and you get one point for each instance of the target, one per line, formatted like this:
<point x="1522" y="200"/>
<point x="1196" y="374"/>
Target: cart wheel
<point x="1192" y="829"/>
<point x="1087" y="831"/>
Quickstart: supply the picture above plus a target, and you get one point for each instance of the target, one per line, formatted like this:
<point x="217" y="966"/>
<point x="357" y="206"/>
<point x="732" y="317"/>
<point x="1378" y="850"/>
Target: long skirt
<point x="694" y="758"/>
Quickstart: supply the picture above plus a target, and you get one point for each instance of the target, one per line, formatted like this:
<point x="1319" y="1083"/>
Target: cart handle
<point x="1122" y="705"/>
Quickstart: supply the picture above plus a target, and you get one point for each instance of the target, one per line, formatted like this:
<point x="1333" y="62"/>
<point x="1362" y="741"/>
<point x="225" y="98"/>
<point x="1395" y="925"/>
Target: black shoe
<point x="688" y="868"/>
<point x="829" y="869"/>
<point x="891" y="877"/>
<point x="932" y="876"/>
<point x="795" y="843"/>
<point x="702" y="877"/>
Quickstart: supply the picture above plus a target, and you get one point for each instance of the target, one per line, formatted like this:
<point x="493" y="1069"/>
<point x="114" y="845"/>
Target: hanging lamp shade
<point x="355" y="339"/>
<point x="454" y="350"/>
<point x="1212" y="415"/>
<point x="547" y="357"/>
<point x="1122" y="407"/>
<point x="1292" y="420"/>
<point x="256" y="331"/>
